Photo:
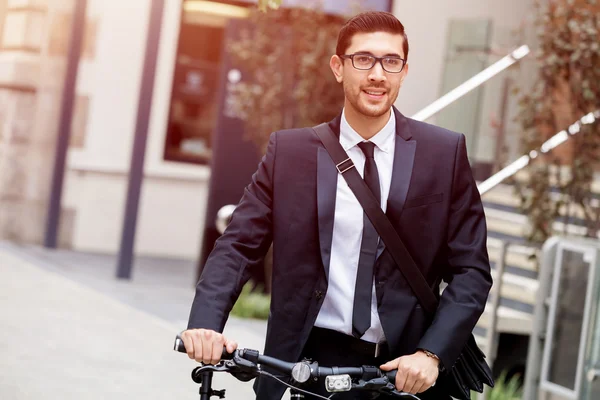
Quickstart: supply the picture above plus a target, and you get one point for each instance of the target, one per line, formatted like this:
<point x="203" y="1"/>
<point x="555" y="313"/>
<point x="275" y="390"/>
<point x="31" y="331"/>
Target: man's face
<point x="370" y="92"/>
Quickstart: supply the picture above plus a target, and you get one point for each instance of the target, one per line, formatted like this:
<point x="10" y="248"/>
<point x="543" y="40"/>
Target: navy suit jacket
<point x="434" y="205"/>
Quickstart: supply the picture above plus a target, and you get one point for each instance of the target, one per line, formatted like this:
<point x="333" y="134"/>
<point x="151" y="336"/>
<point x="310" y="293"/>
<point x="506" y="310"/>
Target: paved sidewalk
<point x="71" y="331"/>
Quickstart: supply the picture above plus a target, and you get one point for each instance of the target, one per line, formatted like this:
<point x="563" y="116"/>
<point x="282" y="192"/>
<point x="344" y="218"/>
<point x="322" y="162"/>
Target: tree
<point x="566" y="88"/>
<point x="285" y="55"/>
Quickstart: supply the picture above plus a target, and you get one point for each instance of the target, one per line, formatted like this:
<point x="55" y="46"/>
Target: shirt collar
<point x="382" y="139"/>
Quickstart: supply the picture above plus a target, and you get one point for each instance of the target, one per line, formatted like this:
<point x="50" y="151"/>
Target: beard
<point x="358" y="101"/>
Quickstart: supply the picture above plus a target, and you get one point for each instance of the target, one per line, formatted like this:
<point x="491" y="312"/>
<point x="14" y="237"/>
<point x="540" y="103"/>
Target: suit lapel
<point x="404" y="158"/>
<point x="327" y="177"/>
<point x="326" y="193"/>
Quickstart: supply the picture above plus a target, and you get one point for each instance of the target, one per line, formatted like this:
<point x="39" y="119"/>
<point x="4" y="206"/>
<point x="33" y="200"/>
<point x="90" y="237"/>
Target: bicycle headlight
<point x="301" y="372"/>
<point x="338" y="383"/>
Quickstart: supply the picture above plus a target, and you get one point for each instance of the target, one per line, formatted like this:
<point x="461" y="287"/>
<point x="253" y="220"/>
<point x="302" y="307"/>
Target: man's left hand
<point x="416" y="373"/>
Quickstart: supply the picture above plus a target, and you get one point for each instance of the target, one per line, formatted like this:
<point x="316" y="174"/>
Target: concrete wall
<point x="426" y="23"/>
<point x="32" y="70"/>
<point x="173" y="197"/>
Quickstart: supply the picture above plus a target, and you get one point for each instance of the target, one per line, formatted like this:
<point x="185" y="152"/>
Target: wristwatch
<point x="430" y="354"/>
<point x="433" y="355"/>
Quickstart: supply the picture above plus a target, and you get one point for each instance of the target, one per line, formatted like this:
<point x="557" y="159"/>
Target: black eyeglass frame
<point x="375" y="60"/>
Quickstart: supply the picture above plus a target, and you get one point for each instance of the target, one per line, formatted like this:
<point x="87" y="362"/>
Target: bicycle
<point x="246" y="364"/>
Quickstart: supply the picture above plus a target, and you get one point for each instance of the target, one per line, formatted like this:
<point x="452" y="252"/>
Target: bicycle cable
<point x="261" y="372"/>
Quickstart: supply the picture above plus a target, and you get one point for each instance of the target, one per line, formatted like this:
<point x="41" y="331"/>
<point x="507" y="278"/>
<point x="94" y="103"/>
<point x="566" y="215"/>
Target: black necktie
<point x="361" y="315"/>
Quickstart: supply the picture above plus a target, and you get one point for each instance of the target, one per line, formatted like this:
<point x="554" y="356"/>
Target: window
<point x="466" y="55"/>
<point x="194" y="96"/>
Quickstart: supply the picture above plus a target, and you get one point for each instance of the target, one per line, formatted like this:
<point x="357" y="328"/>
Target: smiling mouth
<point x="375" y="93"/>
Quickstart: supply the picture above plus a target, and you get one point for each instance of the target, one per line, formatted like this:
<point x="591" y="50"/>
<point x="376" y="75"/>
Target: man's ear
<point x="337" y="66"/>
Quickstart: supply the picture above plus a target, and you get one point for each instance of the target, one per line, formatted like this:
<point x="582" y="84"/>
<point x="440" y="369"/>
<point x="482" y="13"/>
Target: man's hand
<point x="206" y="346"/>
<point x="416" y="373"/>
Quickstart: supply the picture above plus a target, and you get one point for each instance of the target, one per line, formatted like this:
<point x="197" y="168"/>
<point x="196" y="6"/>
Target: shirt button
<point x="318" y="294"/>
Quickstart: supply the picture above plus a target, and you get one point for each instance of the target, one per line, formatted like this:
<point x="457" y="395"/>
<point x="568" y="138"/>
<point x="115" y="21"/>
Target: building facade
<point x="450" y="40"/>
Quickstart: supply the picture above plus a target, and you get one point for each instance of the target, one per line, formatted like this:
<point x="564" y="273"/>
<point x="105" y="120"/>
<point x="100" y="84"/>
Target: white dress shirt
<point x="336" y="311"/>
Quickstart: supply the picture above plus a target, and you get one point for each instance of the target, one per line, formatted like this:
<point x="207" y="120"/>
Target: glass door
<point x="572" y="297"/>
<point x="591" y="379"/>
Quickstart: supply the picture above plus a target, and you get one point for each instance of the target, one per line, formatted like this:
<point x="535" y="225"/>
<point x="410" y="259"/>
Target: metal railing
<point x="472" y="83"/>
<point x="548" y="145"/>
<point x="491" y="337"/>
<point x="568" y="297"/>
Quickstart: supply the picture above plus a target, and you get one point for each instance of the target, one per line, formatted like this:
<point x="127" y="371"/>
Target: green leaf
<point x="252" y="304"/>
<point x="588" y="94"/>
<point x="506" y="389"/>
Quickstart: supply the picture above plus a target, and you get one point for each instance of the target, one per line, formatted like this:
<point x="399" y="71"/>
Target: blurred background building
<point x="450" y="42"/>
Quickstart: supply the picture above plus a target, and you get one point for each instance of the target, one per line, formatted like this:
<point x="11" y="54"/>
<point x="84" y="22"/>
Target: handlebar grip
<point x="180" y="347"/>
<point x="225" y="355"/>
<point x="391" y="375"/>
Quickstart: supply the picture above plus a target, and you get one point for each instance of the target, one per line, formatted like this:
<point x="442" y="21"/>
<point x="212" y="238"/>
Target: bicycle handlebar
<point x="363" y="372"/>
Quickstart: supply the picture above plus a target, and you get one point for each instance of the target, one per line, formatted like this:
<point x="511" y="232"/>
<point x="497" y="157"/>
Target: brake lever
<point x="382" y="385"/>
<point x="375" y="384"/>
<point x="221" y="367"/>
<point x="198" y="372"/>
<point x="396" y="393"/>
<point x="242" y="369"/>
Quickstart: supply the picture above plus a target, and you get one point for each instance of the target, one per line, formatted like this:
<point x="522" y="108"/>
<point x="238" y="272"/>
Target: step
<point x="518" y="288"/>
<point x="509" y="321"/>
<point x="516" y="255"/>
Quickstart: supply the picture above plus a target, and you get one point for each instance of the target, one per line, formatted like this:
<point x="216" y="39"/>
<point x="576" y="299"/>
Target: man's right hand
<point x="206" y="346"/>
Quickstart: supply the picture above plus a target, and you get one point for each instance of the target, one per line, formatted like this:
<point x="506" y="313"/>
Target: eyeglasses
<point x="367" y="61"/>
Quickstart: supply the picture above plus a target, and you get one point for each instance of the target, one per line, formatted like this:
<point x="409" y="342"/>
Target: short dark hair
<point x="369" y="22"/>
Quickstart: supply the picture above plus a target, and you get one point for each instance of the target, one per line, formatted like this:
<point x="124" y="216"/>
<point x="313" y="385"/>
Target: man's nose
<point x="377" y="73"/>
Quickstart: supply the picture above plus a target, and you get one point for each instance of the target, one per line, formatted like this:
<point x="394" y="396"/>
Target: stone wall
<point x="33" y="49"/>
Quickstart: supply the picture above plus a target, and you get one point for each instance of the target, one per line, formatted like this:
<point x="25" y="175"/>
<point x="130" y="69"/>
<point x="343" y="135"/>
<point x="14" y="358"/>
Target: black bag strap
<point x="380" y="221"/>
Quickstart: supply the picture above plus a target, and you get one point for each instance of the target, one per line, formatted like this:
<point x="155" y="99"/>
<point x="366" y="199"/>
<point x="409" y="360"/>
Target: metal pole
<point x="206" y="387"/>
<point x="493" y="325"/>
<point x="136" y="171"/>
<point x="64" y="125"/>
<point x="533" y="367"/>
<point x="492" y="329"/>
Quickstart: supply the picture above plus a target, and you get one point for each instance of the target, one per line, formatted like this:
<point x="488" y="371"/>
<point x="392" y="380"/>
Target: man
<point x="299" y="201"/>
